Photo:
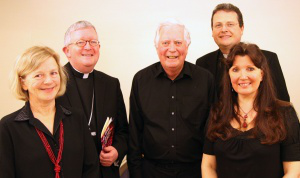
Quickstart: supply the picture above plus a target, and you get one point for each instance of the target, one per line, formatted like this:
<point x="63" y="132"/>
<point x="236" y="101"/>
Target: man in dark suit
<point x="96" y="94"/>
<point x="227" y="29"/>
<point x="169" y="106"/>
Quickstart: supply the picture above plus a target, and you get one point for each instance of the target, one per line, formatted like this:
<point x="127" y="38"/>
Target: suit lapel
<point x="72" y="90"/>
<point x="100" y="89"/>
<point x="212" y="62"/>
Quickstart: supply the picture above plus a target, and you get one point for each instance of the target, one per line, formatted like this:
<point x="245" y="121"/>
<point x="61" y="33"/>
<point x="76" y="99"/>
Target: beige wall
<point x="126" y="30"/>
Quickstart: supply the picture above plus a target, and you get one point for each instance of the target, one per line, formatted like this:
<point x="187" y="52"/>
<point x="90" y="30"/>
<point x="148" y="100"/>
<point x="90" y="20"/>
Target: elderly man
<point x="227" y="29"/>
<point x="169" y="106"/>
<point x="95" y="94"/>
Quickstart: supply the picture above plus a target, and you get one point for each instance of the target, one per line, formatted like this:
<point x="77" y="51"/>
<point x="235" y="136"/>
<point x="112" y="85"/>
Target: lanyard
<point x="51" y="155"/>
<point x="91" y="115"/>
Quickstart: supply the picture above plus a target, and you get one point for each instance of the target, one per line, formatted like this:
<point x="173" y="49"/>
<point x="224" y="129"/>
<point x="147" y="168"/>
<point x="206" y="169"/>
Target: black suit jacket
<point x="210" y="62"/>
<point x="108" y="103"/>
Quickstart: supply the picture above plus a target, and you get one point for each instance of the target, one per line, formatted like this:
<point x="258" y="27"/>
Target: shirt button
<point x="173" y="113"/>
<point x="172" y="146"/>
<point x="173" y="129"/>
<point x="173" y="97"/>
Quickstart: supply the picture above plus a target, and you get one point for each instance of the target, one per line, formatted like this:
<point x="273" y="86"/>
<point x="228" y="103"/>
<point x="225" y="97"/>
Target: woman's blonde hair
<point x="29" y="61"/>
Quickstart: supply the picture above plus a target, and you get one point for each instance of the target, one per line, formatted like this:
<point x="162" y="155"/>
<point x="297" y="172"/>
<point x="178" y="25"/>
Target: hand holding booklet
<point x="107" y="132"/>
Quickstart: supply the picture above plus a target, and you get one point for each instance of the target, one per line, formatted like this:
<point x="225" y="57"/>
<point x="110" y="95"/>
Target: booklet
<point x="107" y="132"/>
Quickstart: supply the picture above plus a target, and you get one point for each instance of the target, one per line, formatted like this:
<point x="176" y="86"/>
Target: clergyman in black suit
<point x="227" y="29"/>
<point x="96" y="94"/>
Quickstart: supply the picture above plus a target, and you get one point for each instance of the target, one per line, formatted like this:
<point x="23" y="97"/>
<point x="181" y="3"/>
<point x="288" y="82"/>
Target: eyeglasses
<point x="228" y="25"/>
<point x="82" y="43"/>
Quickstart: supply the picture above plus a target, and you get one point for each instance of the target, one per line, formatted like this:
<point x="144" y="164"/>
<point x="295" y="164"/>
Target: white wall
<point x="126" y="30"/>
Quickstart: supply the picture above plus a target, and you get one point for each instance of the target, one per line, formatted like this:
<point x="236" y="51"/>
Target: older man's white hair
<point x="169" y="22"/>
<point x="74" y="27"/>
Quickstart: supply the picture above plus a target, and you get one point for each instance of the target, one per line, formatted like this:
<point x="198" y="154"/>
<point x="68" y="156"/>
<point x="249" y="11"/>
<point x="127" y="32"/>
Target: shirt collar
<point x="78" y="74"/>
<point x="26" y="113"/>
<point x="158" y="70"/>
<point x="221" y="55"/>
<point x="186" y="71"/>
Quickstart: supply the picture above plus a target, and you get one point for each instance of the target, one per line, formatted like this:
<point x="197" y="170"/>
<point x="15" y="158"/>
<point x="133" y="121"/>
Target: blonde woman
<point x="43" y="139"/>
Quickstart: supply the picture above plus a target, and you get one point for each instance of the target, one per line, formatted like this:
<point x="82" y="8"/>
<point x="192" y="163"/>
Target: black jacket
<point x="108" y="103"/>
<point x="210" y="62"/>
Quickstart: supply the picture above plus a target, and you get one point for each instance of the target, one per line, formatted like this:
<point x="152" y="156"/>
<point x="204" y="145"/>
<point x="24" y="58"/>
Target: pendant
<point x="245" y="125"/>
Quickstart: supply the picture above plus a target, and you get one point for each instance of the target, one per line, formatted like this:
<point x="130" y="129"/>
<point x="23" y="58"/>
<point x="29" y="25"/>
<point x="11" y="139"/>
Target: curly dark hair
<point x="269" y="122"/>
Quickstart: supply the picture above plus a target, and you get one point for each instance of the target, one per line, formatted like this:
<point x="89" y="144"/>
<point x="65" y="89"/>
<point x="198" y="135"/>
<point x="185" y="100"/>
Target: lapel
<point x="100" y="90"/>
<point x="72" y="90"/>
<point x="212" y="62"/>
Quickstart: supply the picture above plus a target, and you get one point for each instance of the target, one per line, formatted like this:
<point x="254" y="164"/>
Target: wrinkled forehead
<point x="171" y="32"/>
<point x="38" y="64"/>
<point x="84" y="32"/>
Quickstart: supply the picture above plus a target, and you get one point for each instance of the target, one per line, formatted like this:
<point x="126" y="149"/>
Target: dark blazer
<point x="108" y="103"/>
<point x="210" y="62"/>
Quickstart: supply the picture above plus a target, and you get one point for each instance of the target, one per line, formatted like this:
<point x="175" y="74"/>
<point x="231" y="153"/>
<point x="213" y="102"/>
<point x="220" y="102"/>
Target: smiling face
<point x="43" y="83"/>
<point x="226" y="30"/>
<point x="83" y="58"/>
<point x="245" y="76"/>
<point x="172" y="49"/>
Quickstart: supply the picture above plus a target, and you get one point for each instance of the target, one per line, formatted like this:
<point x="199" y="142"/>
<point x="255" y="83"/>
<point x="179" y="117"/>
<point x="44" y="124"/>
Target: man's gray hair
<point x="74" y="27"/>
<point x="169" y="22"/>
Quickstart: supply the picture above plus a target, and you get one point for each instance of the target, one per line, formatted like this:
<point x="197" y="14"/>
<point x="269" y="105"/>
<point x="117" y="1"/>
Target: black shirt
<point x="23" y="155"/>
<point x="167" y="118"/>
<point x="87" y="97"/>
<point x="246" y="157"/>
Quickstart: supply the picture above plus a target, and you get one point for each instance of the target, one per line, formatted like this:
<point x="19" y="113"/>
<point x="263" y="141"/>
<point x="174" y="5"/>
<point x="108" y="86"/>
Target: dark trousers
<point x="153" y="169"/>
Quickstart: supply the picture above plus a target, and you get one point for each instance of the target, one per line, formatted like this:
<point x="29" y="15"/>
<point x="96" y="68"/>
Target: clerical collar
<point x="81" y="75"/>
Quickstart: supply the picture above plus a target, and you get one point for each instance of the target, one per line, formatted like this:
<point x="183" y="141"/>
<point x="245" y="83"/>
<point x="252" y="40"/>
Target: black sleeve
<point x="277" y="76"/>
<point x="208" y="147"/>
<point x="290" y="147"/>
<point x="213" y="92"/>
<point x="7" y="156"/>
<point x="121" y="127"/>
<point x="135" y="134"/>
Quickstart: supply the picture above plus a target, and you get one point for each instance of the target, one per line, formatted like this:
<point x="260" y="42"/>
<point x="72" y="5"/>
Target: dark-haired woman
<point x="250" y="133"/>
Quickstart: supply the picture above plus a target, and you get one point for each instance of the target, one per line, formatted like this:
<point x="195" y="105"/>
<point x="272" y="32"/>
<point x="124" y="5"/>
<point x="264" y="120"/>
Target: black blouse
<point x="246" y="157"/>
<point x="22" y="153"/>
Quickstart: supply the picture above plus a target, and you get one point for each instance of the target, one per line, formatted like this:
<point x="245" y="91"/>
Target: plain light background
<point x="126" y="29"/>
